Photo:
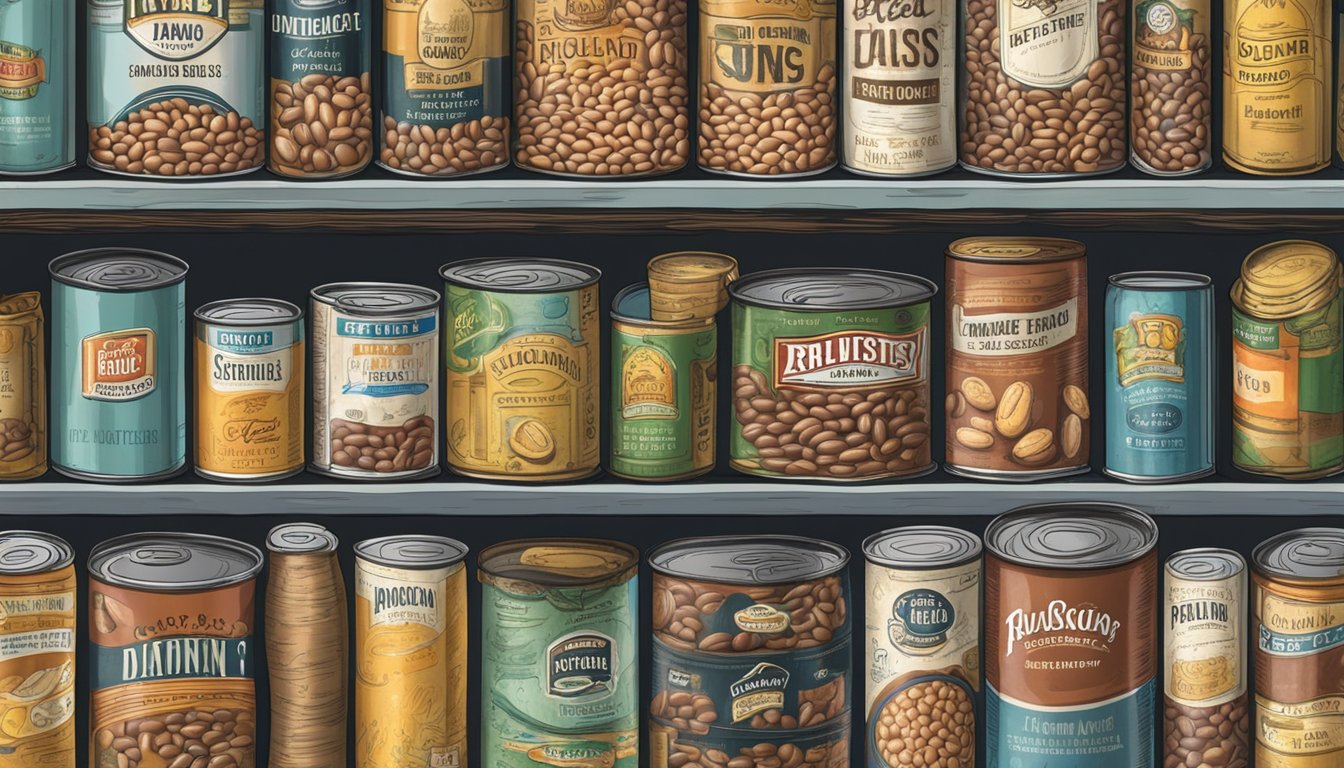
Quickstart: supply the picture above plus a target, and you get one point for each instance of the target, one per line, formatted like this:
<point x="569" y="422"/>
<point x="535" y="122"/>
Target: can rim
<point x="445" y="273"/>
<point x="1068" y="249"/>
<point x="736" y="288"/>
<point x="66" y="550"/>
<point x="730" y="264"/>
<point x="202" y="312"/>
<point x="319" y="533"/>
<point x="974" y="553"/>
<point x="321" y="294"/>
<point x="90" y="254"/>
<point x="458" y="555"/>
<point x="1175" y="280"/>
<point x="1231" y="554"/>
<point x="1285" y="575"/>
<point x="220" y="542"/>
<point x="616" y="576"/>
<point x="839" y="550"/>
<point x="693" y="324"/>
<point x="1142" y="520"/>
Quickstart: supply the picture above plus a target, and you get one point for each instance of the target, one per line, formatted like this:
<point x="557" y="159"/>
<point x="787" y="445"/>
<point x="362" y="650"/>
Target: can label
<point x="582" y="664"/>
<point x="37" y="664"/>
<point x="36" y="86"/>
<point x="119" y="365"/>
<point x="1047" y="44"/>
<point x="23" y="387"/>
<point x="1297" y="724"/>
<point x="1205" y="645"/>
<point x="1171" y="73"/>
<point x="753" y="46"/>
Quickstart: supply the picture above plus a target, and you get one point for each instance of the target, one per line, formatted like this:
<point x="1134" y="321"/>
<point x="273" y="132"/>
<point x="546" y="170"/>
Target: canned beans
<point x="476" y="145"/>
<point x="323" y="125"/>
<point x="383" y="449"/>
<point x="684" y="615"/>
<point x="1208" y="735"/>
<point x="930" y="724"/>
<point x="177" y="138"/>
<point x="221" y="738"/>
<point x="834" y="754"/>
<point x="1171" y="113"/>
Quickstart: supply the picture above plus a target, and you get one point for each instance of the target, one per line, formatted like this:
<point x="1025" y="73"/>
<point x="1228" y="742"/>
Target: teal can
<point x="37" y="95"/>
<point x="118" y="371"/>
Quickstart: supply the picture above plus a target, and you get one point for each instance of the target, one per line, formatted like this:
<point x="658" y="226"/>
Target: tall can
<point x="524" y="361"/>
<point x="923" y="645"/>
<point x="1171" y="82"/>
<point x="1206" y="711"/>
<point x="1017" y="403"/>
<point x="249" y="390"/>
<point x="1160" y="396"/>
<point x="375" y="381"/>
<point x="37" y="698"/>
<point x="37" y="86"/>
<point x="119" y="380"/>
<point x="321" y="100"/>
<point x="411" y="653"/>
<point x="1288" y="362"/>
<point x="23" y="387"/>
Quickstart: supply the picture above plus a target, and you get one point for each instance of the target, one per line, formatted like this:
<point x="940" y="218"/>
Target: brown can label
<point x="119" y="365"/>
<point x="23" y="388"/>
<point x="37" y="670"/>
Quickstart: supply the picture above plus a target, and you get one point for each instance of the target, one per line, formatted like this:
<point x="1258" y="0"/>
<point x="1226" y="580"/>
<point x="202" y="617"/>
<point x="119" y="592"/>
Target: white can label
<point x="1047" y="43"/>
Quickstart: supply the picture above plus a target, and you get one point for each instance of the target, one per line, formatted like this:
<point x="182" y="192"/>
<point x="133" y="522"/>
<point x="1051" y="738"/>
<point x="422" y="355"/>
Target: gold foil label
<point x="445" y="44"/>
<point x="1150" y="347"/>
<point x="648" y="385"/>
<point x="1310" y="728"/>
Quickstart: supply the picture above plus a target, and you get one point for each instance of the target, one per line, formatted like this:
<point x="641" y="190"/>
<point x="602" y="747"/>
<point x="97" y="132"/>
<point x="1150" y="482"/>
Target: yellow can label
<point x="761" y="47"/>
<point x="37" y="669"/>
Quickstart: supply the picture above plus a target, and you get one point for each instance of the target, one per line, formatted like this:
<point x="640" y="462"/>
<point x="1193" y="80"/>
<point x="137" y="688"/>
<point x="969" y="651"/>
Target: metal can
<point x="1288" y="362"/>
<point x="375" y="381"/>
<point x="560" y="655"/>
<point x="37" y="695"/>
<point x="411" y="653"/>
<point x="171" y="622"/>
<point x="923" y="645"/>
<point x="23" y="387"/>
<point x="37" y="87"/>
<point x="321" y="101"/>
<point x="119" y="382"/>
<point x="524" y="362"/>
<point x="1204" y="673"/>
<point x="850" y="347"/>
<point x="249" y="390"/>
<point x="1160" y="397"/>
<point x="689" y="285"/>
<point x="1017" y="403"/>
<point x="175" y="89"/>
<point x="1171" y="79"/>
<point x="1070" y="637"/>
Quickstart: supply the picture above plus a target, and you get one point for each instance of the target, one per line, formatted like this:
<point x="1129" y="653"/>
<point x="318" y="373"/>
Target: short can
<point x="171" y="624"/>
<point x="410" y="652"/>
<point x="831" y="374"/>
<point x="1288" y="362"/>
<point x="119" y="380"/>
<point x="37" y="706"/>
<point x="249" y="390"/>
<point x="689" y="285"/>
<point x="824" y="747"/>
<point x="1171" y="82"/>
<point x="175" y="89"/>
<point x="922" y="645"/>
<point x="37" y="87"/>
<point x="1017" y="404"/>
<point x="321" y="100"/>
<point x="375" y="381"/>
<point x="1160" y="396"/>
<point x="524" y="360"/>
<point x="1204" y="667"/>
<point x="23" y="387"/>
<point x="560" y="655"/>
<point x="1071" y="637"/>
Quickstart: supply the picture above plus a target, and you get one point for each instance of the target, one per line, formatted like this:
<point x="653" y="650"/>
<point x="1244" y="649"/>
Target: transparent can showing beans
<point x="23" y="387"/>
<point x="826" y="747"/>
<point x="37" y="87"/>
<point x="1171" y="78"/>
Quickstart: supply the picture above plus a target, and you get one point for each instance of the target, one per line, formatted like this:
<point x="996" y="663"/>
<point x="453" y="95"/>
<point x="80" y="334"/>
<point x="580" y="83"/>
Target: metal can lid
<point x="1161" y="281"/>
<point x="249" y="312"/>
<point x="559" y="562"/>
<point x="1071" y="535"/>
<point x="749" y="560"/>
<point x="1206" y="564"/>
<point x="377" y="299"/>
<point x="922" y="547"/>
<point x="824" y="289"/>
<point x="300" y="539"/>
<point x="693" y="266"/>
<point x="412" y="551"/>
<point x="174" y="562"/>
<point x="521" y="275"/>
<point x="24" y="553"/>
<point x="1288" y="266"/>
<point x="118" y="269"/>
<point x="1307" y="554"/>
<point x="1015" y="249"/>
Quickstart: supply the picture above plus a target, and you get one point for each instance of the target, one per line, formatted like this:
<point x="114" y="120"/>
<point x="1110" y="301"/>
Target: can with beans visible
<point x="23" y="387"/>
<point x="1159" y="377"/>
<point x="37" y="87"/>
<point x="37" y="660"/>
<point x="1017" y="404"/>
<point x="171" y="622"/>
<point x="175" y="88"/>
<point x="375" y="381"/>
<point x="560" y="658"/>
<point x="923" y="645"/>
<point x="1288" y="362"/>
<point x="411" y="653"/>
<point x="524" y="362"/>
<point x="831" y="374"/>
<point x="1070" y="637"/>
<point x="689" y="285"/>
<point x="249" y="389"/>
<point x="119" y="381"/>
<point x="1206" y="712"/>
<point x="826" y="747"/>
<point x="1171" y="76"/>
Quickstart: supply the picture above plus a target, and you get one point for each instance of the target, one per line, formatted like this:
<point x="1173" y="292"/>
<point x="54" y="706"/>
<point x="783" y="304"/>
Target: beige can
<point x="23" y="387"/>
<point x="689" y="285"/>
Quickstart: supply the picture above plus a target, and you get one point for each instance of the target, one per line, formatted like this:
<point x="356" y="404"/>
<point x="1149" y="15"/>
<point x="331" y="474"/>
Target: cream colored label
<point x="1205" y="641"/>
<point x="1047" y="43"/>
<point x="1256" y="386"/>
<point x="1000" y="334"/>
<point x="757" y="46"/>
<point x="37" y="640"/>
<point x="403" y="596"/>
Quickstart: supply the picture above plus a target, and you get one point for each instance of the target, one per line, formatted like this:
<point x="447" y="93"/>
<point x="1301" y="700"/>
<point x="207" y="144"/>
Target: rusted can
<point x="23" y="387"/>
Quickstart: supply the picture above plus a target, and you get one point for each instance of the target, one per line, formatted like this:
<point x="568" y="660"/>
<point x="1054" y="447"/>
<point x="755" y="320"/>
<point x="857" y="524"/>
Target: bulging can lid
<point x="922" y="547"/>
<point x="412" y="552"/>
<point x="1307" y="554"/>
<point x="1070" y="535"/>
<point x="174" y="562"/>
<point x="24" y="553"/>
<point x="300" y="539"/>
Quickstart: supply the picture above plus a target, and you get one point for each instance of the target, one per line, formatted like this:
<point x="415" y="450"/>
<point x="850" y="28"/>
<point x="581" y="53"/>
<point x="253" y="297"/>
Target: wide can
<point x="375" y="381"/>
<point x="410" y="653"/>
<point x="1017" y="399"/>
<point x="119" y="380"/>
<point x="37" y="86"/>
<point x="1160" y="396"/>
<point x="23" y="387"/>
<point x="1288" y="362"/>
<point x="524" y="362"/>
<point x="1171" y="79"/>
<point x="831" y="374"/>
<point x="249" y="389"/>
<point x="172" y="618"/>
<point x="1070" y="637"/>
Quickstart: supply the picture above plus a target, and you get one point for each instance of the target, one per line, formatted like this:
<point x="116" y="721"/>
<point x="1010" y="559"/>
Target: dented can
<point x="37" y="86"/>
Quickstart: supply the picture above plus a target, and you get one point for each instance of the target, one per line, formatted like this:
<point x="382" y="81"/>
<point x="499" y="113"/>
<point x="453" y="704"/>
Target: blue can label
<point x="36" y="54"/>
<point x="1111" y="734"/>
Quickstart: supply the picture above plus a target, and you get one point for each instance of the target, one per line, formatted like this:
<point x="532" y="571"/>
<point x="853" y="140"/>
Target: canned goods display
<point x="1288" y="362"/>
<point x="1070" y="637"/>
<point x="171" y="623"/>
<point x="119" y="379"/>
<point x="37" y="664"/>
<point x="831" y="374"/>
<point x="524" y="362"/>
<point x="175" y="89"/>
<point x="689" y="285"/>
<point x="249" y="389"/>
<point x="923" y="646"/>
<point x="411" y="653"/>
<point x="1171" y="79"/>
<point x="1206" y="712"/>
<point x="23" y="387"/>
<point x="1160" y="398"/>
<point x="1017" y="404"/>
<point x="375" y="381"/>
<point x="37" y="86"/>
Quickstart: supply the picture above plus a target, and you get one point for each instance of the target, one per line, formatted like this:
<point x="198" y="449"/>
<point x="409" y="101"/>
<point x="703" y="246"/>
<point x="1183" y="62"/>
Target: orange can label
<point x="119" y="365"/>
